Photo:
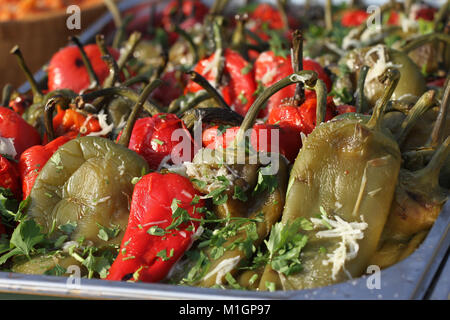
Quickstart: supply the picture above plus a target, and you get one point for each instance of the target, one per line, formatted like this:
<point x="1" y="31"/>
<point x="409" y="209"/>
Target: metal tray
<point x="423" y="275"/>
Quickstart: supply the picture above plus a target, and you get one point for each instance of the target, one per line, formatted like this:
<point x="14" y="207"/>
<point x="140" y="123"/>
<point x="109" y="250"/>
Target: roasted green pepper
<point x="343" y="179"/>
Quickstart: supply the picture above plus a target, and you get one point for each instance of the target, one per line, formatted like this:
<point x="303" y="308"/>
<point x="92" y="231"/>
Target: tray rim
<point x="417" y="271"/>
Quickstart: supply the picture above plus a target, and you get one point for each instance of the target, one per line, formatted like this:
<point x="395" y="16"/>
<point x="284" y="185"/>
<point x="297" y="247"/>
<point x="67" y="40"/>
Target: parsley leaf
<point x="265" y="182"/>
<point x="284" y="245"/>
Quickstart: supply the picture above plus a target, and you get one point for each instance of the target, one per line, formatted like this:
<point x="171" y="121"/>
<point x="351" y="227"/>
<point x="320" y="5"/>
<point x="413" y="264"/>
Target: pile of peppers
<point x="275" y="147"/>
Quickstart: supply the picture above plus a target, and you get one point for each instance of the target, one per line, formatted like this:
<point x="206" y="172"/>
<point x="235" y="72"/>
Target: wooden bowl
<point x="39" y="38"/>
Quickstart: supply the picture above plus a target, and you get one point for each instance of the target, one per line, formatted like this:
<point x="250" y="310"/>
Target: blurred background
<point x="39" y="28"/>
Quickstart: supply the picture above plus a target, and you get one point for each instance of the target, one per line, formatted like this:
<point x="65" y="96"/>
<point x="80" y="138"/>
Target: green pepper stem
<point x="424" y="39"/>
<point x="49" y="109"/>
<point x="321" y="94"/>
<point x="128" y="129"/>
<point x="297" y="63"/>
<point x="391" y="77"/>
<point x="115" y="12"/>
<point x="212" y="115"/>
<point x="437" y="134"/>
<point x="281" y="5"/>
<point x="328" y="16"/>
<point x="361" y="102"/>
<point x="306" y="76"/>
<point x="37" y="94"/>
<point x="128" y="49"/>
<point x="95" y="83"/>
<point x="121" y="91"/>
<point x="192" y="46"/>
<point x="113" y="70"/>
<point x="441" y="16"/>
<point x="6" y="95"/>
<point x="200" y="80"/>
<point x="425" y="102"/>
<point x="219" y="45"/>
<point x="427" y="179"/>
<point x="238" y="41"/>
<point x="199" y="97"/>
<point x="48" y="117"/>
<point x="100" y="41"/>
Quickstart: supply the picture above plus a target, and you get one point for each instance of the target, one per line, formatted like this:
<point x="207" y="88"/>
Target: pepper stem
<point x="297" y="65"/>
<point x="361" y="102"/>
<point x="424" y="39"/>
<point x="306" y="76"/>
<point x="281" y="5"/>
<point x="391" y="77"/>
<point x="120" y="91"/>
<point x="87" y="63"/>
<point x="425" y="102"/>
<point x="128" y="49"/>
<point x="441" y="16"/>
<point x="48" y="117"/>
<point x="6" y="95"/>
<point x="128" y="129"/>
<point x="218" y="42"/>
<point x="328" y="16"/>
<point x="212" y="115"/>
<point x="437" y="134"/>
<point x="37" y="94"/>
<point x="200" y="80"/>
<point x="192" y="46"/>
<point x="427" y="179"/>
<point x="198" y="98"/>
<point x="321" y="94"/>
<point x="238" y="41"/>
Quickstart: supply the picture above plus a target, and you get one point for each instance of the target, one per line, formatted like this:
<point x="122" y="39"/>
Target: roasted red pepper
<point x="20" y="104"/>
<point x="288" y="144"/>
<point x="171" y="88"/>
<point x="354" y="17"/>
<point x="154" y="241"/>
<point x="33" y="160"/>
<point x="240" y="86"/>
<point x="18" y="131"/>
<point x="9" y="177"/>
<point x="67" y="71"/>
<point x="303" y="118"/>
<point x="155" y="138"/>
<point x="270" y="68"/>
<point x="345" y="108"/>
<point x="70" y="122"/>
<point x="192" y="12"/>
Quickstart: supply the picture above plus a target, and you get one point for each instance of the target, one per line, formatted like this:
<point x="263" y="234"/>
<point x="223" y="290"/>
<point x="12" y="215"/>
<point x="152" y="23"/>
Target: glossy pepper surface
<point x="155" y="138"/>
<point x="71" y="122"/>
<point x="240" y="84"/>
<point x="9" y="177"/>
<point x="67" y="71"/>
<point x="287" y="140"/>
<point x="343" y="181"/>
<point x="156" y="198"/>
<point x="33" y="160"/>
<point x="17" y="131"/>
<point x="270" y="68"/>
<point x="86" y="181"/>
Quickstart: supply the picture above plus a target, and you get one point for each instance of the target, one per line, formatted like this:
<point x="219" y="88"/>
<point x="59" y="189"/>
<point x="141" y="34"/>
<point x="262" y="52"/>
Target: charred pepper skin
<point x="151" y="204"/>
